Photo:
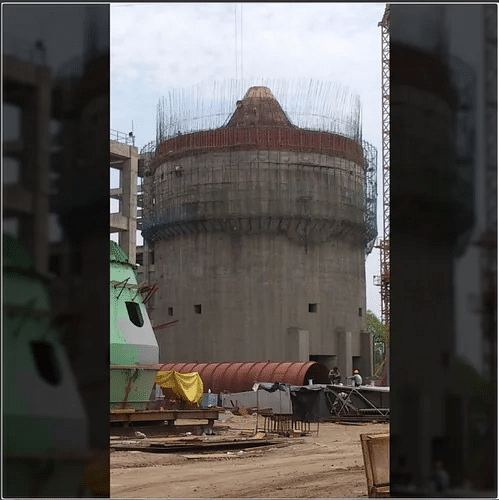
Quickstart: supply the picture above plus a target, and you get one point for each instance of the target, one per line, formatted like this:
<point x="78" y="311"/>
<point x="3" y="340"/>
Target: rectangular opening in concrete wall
<point x="360" y="311"/>
<point x="197" y="308"/>
<point x="312" y="308"/>
<point x="170" y="311"/>
<point x="11" y="170"/>
<point x="114" y="206"/>
<point x="12" y="117"/>
<point x="327" y="360"/>
<point x="115" y="186"/>
<point x="115" y="178"/>
<point x="151" y="258"/>
<point x="356" y="362"/>
<point x="55" y="231"/>
<point x="139" y="259"/>
<point x="138" y="238"/>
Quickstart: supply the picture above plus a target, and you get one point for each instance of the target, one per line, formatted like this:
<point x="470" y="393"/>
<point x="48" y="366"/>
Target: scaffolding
<point x="309" y="104"/>
<point x="312" y="198"/>
<point x="384" y="244"/>
<point x="145" y="170"/>
<point x="308" y="174"/>
<point x="370" y="195"/>
<point x="488" y="240"/>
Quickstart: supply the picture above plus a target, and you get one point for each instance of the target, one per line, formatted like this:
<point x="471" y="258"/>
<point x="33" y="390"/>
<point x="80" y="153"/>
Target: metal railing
<point x="18" y="48"/>
<point x="129" y="139"/>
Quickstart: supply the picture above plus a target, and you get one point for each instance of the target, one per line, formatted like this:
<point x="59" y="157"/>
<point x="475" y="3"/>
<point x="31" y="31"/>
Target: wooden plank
<point x="376" y="453"/>
<point x="160" y="415"/>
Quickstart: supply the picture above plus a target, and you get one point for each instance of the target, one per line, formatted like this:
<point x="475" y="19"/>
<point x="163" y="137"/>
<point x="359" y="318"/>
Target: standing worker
<point x="357" y="379"/>
<point x="335" y="376"/>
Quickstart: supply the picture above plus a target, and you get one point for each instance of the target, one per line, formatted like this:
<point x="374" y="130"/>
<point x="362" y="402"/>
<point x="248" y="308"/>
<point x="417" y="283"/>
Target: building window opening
<point x="11" y="170"/>
<point x="197" y="308"/>
<point x="46" y="361"/>
<point x="11" y="226"/>
<point x="151" y="256"/>
<point x="360" y="311"/>
<point x="170" y="311"/>
<point x="134" y="313"/>
<point x="312" y="308"/>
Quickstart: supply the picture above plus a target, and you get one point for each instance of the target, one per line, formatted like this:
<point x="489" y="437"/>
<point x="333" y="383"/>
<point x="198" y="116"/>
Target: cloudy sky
<point x="156" y="48"/>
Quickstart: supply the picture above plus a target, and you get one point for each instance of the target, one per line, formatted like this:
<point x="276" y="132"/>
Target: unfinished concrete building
<point x="124" y="158"/>
<point x="437" y="87"/>
<point x="259" y="230"/>
<point x="27" y="99"/>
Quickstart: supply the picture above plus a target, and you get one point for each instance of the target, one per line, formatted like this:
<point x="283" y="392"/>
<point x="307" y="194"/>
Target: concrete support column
<point x="297" y="344"/>
<point x="345" y="354"/>
<point x="41" y="204"/>
<point x="129" y="205"/>
<point x="366" y="355"/>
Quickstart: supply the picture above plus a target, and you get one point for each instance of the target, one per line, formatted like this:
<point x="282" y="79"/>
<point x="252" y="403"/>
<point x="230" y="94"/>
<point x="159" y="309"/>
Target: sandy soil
<point x="327" y="465"/>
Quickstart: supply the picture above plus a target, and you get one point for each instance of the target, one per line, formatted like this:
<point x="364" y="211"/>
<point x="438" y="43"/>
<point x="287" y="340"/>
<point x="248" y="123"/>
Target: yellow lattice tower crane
<point x="384" y="243"/>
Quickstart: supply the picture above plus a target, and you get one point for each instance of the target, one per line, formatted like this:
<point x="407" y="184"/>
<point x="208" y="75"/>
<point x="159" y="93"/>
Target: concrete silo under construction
<point x="260" y="228"/>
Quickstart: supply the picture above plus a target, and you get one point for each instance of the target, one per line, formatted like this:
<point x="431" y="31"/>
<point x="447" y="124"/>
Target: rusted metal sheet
<point x="240" y="377"/>
<point x="131" y="385"/>
<point x="255" y="370"/>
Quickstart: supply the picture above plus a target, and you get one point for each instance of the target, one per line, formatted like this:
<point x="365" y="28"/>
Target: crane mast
<point x="384" y="243"/>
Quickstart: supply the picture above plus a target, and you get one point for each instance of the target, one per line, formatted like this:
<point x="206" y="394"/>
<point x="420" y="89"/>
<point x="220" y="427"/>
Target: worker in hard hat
<point x="357" y="379"/>
<point x="335" y="376"/>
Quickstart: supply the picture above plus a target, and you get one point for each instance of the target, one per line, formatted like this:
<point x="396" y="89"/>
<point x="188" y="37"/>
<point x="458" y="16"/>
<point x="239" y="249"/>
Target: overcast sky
<point x="167" y="46"/>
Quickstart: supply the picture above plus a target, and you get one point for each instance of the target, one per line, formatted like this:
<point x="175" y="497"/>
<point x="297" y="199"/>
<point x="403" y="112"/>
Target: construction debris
<point x="174" y="447"/>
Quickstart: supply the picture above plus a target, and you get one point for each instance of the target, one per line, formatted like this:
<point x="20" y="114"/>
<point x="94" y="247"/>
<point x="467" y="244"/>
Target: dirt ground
<point x="329" y="464"/>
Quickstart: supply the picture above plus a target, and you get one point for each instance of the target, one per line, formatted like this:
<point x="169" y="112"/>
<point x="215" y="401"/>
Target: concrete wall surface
<point x="259" y="256"/>
<point x="250" y="290"/>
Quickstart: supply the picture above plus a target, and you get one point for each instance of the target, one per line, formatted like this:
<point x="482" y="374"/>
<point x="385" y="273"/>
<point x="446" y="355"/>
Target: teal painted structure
<point x="134" y="350"/>
<point x="44" y="421"/>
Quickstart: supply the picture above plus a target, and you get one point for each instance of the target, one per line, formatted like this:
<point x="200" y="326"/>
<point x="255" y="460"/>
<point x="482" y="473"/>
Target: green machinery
<point x="45" y="426"/>
<point x="134" y="349"/>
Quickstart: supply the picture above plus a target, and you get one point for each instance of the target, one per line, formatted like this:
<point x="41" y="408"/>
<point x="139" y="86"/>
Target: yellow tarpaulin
<point x="187" y="386"/>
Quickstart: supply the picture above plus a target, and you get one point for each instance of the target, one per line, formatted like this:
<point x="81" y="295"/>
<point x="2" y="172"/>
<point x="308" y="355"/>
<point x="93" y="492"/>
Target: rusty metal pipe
<point x="240" y="377"/>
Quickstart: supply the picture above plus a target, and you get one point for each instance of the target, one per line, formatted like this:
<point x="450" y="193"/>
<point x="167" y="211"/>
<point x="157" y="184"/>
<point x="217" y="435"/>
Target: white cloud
<point x="159" y="47"/>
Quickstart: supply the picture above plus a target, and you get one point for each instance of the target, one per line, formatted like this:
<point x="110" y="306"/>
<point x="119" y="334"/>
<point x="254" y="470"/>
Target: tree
<point x="374" y="326"/>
